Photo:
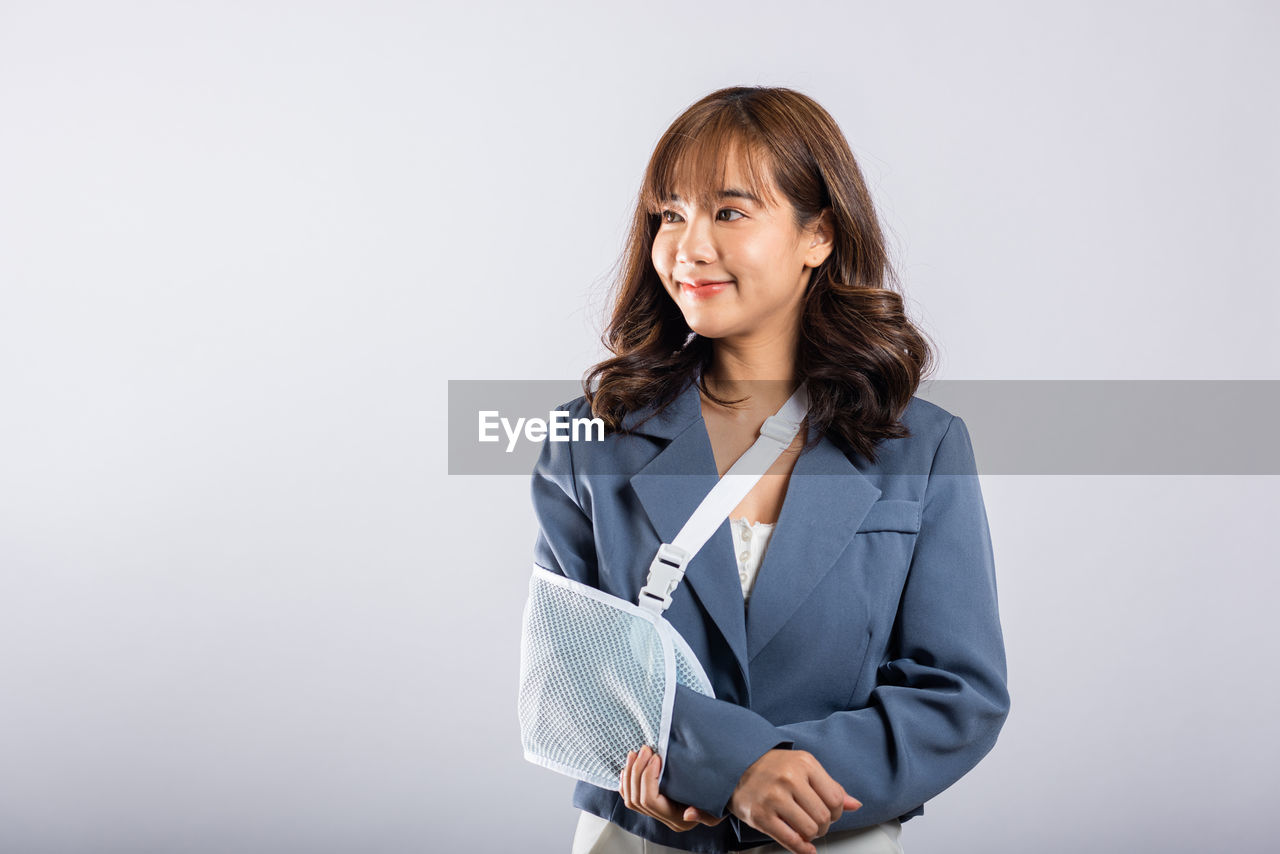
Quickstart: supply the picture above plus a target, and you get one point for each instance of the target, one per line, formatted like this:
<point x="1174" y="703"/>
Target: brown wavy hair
<point x="862" y="357"/>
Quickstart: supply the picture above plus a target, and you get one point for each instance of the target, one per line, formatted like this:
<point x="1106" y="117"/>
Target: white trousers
<point x="595" y="835"/>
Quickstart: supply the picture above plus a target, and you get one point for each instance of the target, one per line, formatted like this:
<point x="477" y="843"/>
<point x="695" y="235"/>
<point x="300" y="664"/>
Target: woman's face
<point x="737" y="272"/>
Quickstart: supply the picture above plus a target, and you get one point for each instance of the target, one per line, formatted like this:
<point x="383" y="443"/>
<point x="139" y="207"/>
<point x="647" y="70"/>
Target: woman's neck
<point x="765" y="376"/>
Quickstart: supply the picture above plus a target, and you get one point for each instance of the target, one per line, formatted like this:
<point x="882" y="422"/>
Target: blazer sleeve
<point x="939" y="701"/>
<point x="566" y="538"/>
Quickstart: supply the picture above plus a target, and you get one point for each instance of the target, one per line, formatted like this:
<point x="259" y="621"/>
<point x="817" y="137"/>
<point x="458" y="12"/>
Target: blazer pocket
<point x="892" y="514"/>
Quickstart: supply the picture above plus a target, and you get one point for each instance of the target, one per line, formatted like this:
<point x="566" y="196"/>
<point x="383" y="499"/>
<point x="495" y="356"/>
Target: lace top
<point x="750" y="539"/>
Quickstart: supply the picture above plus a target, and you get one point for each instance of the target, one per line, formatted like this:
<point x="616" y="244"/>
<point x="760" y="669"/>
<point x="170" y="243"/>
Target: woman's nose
<point x="695" y="242"/>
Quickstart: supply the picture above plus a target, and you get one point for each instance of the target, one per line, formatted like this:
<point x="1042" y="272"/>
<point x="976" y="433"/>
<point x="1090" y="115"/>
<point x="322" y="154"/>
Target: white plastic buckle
<point x="665" y="573"/>
<point x="779" y="430"/>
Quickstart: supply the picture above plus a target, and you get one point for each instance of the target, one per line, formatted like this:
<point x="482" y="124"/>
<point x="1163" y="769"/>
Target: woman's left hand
<point x="639" y="788"/>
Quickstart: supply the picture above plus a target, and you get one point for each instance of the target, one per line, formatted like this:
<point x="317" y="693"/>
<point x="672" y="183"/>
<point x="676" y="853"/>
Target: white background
<point x="244" y="246"/>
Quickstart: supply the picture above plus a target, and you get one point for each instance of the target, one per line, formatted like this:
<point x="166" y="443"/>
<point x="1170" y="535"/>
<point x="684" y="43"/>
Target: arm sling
<point x="598" y="673"/>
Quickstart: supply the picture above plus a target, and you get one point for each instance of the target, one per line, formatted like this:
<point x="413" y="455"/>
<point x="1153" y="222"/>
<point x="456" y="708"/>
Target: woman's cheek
<point x="662" y="248"/>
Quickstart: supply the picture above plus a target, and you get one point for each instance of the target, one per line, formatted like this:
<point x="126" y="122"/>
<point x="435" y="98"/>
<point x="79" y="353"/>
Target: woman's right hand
<point x="790" y="796"/>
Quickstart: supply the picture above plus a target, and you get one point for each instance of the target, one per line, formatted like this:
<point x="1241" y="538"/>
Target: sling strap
<point x="668" y="566"/>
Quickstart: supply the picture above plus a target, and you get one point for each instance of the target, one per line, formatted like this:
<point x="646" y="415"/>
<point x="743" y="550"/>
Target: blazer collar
<point x="826" y="499"/>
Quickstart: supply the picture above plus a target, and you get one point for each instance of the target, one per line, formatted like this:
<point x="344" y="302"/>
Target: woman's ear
<point x="822" y="236"/>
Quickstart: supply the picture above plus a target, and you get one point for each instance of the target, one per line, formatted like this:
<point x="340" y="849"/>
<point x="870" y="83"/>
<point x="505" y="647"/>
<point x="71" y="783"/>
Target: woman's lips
<point x="701" y="291"/>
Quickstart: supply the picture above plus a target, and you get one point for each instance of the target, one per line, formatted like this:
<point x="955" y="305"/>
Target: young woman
<point x="846" y="611"/>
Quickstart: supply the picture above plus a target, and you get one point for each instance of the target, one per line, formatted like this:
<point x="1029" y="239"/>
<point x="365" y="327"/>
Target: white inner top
<point x="750" y="539"/>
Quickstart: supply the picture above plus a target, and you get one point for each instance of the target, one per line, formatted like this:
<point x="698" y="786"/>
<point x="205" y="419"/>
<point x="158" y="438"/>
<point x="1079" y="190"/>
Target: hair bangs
<point x="692" y="164"/>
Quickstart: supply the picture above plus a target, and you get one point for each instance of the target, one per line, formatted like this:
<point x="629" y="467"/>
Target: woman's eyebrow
<point x="728" y="193"/>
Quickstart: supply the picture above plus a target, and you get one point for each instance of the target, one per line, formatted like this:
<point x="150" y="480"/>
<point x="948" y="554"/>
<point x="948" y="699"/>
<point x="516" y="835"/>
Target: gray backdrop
<point x="245" y="246"/>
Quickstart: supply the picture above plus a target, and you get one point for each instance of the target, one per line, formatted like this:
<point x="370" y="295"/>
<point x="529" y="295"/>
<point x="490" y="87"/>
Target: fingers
<point x="790" y="796"/>
<point x="638" y="785"/>
<point x="649" y="794"/>
<point x="659" y="805"/>
<point x="835" y="801"/>
<point x="787" y="836"/>
<point x="624" y="778"/>
<point x="826" y="788"/>
<point x="637" y="771"/>
<point x="630" y="781"/>
<point x="816" y="810"/>
<point x="695" y="814"/>
<point x="798" y="818"/>
<point x="832" y="794"/>
<point x="632" y="775"/>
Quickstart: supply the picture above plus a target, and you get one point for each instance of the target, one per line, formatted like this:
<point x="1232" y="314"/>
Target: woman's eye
<point x="674" y="217"/>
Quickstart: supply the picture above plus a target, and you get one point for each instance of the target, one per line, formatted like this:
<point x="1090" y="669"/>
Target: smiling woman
<point x="754" y="223"/>
<point x="845" y="612"/>
<point x="741" y="263"/>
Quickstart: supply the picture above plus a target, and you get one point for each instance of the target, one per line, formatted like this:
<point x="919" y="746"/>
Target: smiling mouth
<point x="691" y="286"/>
<point x="701" y="293"/>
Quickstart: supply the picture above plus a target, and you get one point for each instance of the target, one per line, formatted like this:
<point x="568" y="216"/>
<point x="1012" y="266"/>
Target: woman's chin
<point x="708" y="329"/>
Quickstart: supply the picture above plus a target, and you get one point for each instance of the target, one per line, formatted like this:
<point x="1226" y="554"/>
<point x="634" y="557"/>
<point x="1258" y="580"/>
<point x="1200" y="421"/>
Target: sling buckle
<point x="779" y="430"/>
<point x="665" y="573"/>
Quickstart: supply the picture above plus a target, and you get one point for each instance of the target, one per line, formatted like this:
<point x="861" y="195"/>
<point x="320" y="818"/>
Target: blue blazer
<point x="872" y="637"/>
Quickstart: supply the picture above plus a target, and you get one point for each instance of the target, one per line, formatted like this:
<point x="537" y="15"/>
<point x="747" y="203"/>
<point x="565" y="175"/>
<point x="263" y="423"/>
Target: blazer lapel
<point x="826" y="499"/>
<point x="670" y="488"/>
